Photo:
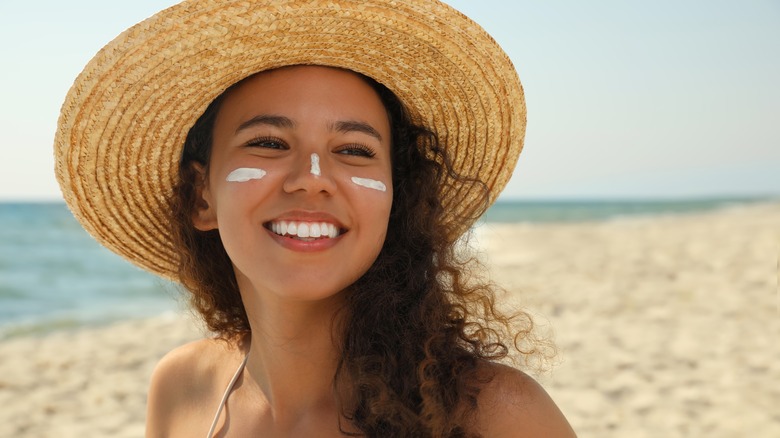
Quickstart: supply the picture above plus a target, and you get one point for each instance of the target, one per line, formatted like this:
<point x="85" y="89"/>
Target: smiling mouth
<point x="306" y="231"/>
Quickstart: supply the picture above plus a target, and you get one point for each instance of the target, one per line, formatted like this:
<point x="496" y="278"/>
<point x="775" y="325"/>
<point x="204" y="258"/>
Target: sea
<point x="54" y="276"/>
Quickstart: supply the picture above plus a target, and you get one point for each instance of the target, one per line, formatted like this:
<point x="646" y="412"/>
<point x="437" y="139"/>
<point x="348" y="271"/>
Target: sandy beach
<point x="666" y="326"/>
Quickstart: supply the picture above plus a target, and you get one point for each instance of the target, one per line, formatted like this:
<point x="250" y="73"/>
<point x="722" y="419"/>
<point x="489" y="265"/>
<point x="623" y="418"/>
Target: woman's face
<point x="299" y="181"/>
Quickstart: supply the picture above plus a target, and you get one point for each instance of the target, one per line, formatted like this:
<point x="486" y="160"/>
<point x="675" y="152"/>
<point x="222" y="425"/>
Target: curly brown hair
<point x="418" y="324"/>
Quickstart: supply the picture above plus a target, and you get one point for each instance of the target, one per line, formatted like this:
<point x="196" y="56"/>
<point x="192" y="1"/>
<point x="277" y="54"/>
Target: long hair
<point x="417" y="325"/>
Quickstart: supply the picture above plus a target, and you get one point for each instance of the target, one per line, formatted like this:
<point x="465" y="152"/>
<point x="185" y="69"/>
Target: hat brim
<point x="124" y="121"/>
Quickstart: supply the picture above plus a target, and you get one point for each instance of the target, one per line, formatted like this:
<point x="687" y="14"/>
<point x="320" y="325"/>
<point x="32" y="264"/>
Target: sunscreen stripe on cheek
<point x="370" y="183"/>
<point x="244" y="174"/>
<point x="315" y="165"/>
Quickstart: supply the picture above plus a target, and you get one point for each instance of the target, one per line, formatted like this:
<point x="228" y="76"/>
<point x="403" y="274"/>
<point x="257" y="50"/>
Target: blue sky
<point x="626" y="99"/>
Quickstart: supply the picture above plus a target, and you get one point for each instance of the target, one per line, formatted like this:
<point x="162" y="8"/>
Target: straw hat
<point x="124" y="121"/>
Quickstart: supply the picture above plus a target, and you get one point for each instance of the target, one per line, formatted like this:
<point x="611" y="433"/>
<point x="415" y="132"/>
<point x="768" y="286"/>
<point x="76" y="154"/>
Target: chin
<point x="306" y="291"/>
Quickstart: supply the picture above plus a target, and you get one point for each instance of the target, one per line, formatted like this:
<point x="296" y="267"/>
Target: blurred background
<point x="635" y="109"/>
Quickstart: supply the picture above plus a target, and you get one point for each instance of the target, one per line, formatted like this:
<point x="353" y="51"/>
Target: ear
<point x="204" y="215"/>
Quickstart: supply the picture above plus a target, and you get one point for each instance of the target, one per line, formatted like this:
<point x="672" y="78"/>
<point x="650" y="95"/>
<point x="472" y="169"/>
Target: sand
<point x="665" y="327"/>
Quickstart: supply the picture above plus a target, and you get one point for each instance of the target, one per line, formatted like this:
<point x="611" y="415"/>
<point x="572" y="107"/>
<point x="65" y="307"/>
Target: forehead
<point x="332" y="92"/>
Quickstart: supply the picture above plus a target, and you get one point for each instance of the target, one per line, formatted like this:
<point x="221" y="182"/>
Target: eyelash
<point x="263" y="142"/>
<point x="354" y="149"/>
<point x="363" y="150"/>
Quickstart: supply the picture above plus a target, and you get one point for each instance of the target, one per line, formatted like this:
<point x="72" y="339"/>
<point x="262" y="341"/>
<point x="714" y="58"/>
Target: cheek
<point x="377" y="190"/>
<point x="239" y="188"/>
<point x="374" y="198"/>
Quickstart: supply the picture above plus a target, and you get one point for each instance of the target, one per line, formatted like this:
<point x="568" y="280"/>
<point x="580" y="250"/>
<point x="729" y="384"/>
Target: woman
<point x="334" y="153"/>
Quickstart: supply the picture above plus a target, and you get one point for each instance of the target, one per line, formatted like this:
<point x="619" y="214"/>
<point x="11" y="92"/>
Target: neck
<point x="292" y="352"/>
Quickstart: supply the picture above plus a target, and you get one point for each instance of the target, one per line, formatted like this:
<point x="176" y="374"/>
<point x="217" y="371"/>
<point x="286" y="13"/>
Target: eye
<point x="267" y="142"/>
<point x="357" y="150"/>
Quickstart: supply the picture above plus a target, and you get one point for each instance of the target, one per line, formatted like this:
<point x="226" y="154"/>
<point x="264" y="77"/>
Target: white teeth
<point x="305" y="230"/>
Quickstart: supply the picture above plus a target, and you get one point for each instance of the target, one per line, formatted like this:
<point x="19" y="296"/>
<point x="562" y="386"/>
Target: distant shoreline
<point x="531" y="199"/>
<point x="589" y="210"/>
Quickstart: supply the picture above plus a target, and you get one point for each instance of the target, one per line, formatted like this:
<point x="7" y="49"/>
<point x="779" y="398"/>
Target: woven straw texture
<point x="124" y="121"/>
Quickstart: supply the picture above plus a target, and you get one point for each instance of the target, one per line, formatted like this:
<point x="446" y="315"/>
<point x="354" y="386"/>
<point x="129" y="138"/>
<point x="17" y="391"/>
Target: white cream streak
<point x="370" y="183"/>
<point x="315" y="165"/>
<point x="244" y="174"/>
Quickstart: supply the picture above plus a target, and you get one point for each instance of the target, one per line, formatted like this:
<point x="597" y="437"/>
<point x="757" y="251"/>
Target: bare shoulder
<point x="512" y="404"/>
<point x="184" y="383"/>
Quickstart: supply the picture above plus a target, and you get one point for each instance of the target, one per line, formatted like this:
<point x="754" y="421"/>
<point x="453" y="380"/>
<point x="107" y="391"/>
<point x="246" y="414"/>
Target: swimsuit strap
<point x="225" y="396"/>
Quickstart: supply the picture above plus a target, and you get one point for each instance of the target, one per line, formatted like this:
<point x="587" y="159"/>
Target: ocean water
<point x="53" y="275"/>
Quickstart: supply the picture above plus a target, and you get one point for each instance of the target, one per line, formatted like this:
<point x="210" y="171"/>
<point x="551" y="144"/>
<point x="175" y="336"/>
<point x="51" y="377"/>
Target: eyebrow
<point x="343" y="126"/>
<point x="278" y="121"/>
<point x="356" y="126"/>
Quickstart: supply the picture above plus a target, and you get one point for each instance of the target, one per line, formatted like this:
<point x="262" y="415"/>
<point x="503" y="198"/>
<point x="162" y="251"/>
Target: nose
<point x="309" y="173"/>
